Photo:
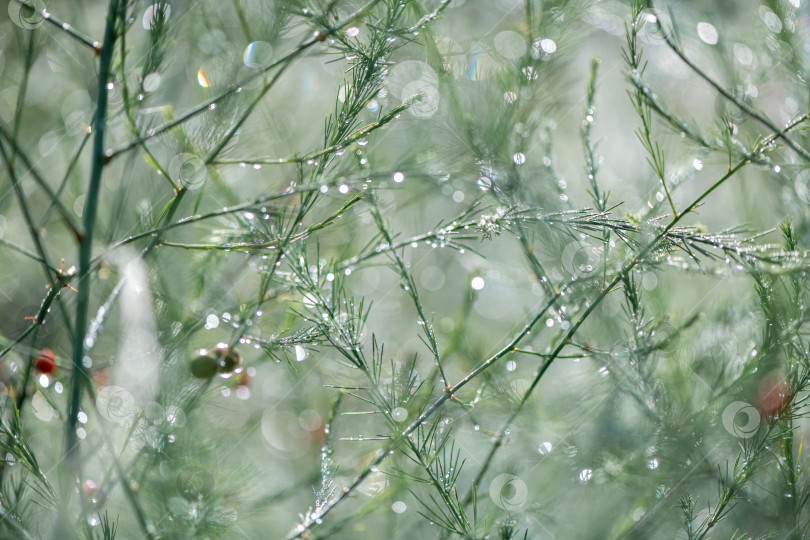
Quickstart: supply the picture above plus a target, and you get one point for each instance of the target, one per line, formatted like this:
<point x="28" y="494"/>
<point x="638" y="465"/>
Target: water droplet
<point x="202" y="80"/>
<point x="771" y="19"/>
<point x="42" y="408"/>
<point x="707" y="33"/>
<point x="510" y="44"/>
<point x="743" y="54"/>
<point x="258" y="54"/>
<point x="211" y="321"/>
<point x="154" y="12"/>
<point x="546" y="45"/>
<point x="151" y="82"/>
<point x="399" y="414"/>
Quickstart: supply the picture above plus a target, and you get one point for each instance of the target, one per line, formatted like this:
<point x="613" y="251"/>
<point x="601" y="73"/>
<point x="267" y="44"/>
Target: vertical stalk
<point x="79" y="372"/>
<point x="791" y="479"/>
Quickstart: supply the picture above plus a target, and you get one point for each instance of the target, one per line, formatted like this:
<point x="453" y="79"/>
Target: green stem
<point x="302" y="529"/>
<point x="781" y="134"/>
<point x="317" y="38"/>
<point x="598" y="300"/>
<point x="67" y="28"/>
<point x="7" y="135"/>
<point x="79" y="373"/>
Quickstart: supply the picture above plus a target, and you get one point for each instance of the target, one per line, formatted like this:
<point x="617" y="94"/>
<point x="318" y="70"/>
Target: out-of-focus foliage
<point x="459" y="268"/>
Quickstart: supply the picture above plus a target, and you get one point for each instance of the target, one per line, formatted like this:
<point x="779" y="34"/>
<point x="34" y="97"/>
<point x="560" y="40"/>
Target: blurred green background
<point x="505" y="99"/>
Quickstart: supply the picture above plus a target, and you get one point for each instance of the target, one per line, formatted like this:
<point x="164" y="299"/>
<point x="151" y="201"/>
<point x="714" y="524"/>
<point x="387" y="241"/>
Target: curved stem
<point x="781" y="134"/>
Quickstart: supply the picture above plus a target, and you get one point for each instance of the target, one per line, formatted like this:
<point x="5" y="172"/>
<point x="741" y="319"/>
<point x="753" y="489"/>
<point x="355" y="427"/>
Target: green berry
<point x="204" y="365"/>
<point x="227" y="360"/>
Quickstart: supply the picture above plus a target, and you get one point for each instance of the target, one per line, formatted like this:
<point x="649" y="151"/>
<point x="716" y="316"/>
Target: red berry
<point x="773" y="394"/>
<point x="243" y="379"/>
<point x="89" y="488"/>
<point x="45" y="362"/>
